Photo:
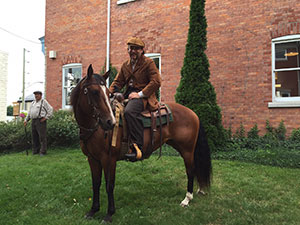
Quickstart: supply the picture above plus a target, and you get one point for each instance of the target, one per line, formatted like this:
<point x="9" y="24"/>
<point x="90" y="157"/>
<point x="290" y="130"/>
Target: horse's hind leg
<point x="96" y="170"/>
<point x="188" y="161"/>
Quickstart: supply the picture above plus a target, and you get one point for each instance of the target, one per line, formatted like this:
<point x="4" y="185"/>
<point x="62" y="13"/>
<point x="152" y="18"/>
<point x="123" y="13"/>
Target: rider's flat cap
<point x="136" y="41"/>
<point x="37" y="92"/>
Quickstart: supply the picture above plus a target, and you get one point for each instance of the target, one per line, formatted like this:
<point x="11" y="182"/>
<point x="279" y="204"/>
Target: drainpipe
<point x="108" y="38"/>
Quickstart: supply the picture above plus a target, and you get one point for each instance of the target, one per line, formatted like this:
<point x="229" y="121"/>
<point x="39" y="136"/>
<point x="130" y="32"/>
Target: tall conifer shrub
<point x="195" y="91"/>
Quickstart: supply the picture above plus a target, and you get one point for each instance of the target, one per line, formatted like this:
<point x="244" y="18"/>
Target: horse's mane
<point x="76" y="91"/>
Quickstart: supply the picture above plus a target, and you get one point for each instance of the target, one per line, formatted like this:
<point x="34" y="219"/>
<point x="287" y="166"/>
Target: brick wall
<point x="239" y="51"/>
<point x="239" y="47"/>
<point x="163" y="26"/>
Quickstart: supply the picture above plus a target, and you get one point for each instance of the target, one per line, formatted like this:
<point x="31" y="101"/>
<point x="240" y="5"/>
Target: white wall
<point x="3" y="84"/>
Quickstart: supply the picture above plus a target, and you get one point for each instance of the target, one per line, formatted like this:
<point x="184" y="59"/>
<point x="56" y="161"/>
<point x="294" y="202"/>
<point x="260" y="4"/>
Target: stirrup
<point x="134" y="154"/>
<point x="139" y="153"/>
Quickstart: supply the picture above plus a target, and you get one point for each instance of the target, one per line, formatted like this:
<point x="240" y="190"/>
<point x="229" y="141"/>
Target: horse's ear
<point x="106" y="75"/>
<point x="90" y="71"/>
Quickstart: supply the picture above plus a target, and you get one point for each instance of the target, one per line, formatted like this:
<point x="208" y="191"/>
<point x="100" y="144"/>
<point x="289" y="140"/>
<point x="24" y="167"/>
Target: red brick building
<point x="253" y="49"/>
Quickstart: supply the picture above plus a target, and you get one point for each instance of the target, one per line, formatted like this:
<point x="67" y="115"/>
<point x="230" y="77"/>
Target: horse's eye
<point x="102" y="83"/>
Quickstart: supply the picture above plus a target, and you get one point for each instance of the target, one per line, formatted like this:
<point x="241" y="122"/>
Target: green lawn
<point x="56" y="189"/>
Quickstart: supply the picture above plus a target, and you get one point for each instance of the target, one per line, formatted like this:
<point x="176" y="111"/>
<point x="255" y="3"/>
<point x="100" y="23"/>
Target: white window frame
<point x="120" y="2"/>
<point x="152" y="56"/>
<point x="285" y="102"/>
<point x="71" y="65"/>
<point x="155" y="55"/>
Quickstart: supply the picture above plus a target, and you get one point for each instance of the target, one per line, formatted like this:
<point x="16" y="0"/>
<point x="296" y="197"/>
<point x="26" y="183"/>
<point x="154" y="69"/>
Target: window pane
<point x="156" y="61"/>
<point x="68" y="95"/>
<point x="67" y="102"/>
<point x="287" y="84"/>
<point x="72" y="76"/>
<point x="287" y="55"/>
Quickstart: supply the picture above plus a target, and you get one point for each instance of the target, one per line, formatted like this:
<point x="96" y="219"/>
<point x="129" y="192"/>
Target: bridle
<point x="95" y="111"/>
<point x="88" y="132"/>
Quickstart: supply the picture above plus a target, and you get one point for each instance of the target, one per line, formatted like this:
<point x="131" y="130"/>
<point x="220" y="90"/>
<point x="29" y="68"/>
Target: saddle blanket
<point x="166" y="115"/>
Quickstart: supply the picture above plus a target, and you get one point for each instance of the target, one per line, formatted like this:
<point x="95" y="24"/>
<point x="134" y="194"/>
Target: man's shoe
<point x="42" y="154"/>
<point x="135" y="154"/>
<point x="131" y="157"/>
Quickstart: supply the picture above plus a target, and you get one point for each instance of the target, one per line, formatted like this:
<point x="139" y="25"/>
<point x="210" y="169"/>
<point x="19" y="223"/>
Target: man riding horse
<point x="142" y="79"/>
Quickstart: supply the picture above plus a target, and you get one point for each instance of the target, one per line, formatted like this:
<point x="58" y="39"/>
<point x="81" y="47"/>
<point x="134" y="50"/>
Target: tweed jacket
<point x="145" y="77"/>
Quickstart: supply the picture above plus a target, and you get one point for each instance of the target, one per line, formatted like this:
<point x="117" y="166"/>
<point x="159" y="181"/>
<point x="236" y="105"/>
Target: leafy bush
<point x="271" y="157"/>
<point x="253" y="133"/>
<point x="271" y="149"/>
<point x="281" y="131"/>
<point x="62" y="129"/>
<point x="278" y="133"/>
<point x="14" y="136"/>
<point x="240" y="132"/>
<point x="295" y="136"/>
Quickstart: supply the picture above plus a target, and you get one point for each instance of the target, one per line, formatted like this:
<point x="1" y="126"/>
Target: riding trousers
<point x="134" y="121"/>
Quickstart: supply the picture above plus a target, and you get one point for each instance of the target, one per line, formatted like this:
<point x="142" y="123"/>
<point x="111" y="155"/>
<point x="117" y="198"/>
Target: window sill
<point x="284" y="104"/>
<point x="120" y="2"/>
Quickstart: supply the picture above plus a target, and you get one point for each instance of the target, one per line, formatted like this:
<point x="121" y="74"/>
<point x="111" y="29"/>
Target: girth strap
<point x="160" y="130"/>
<point x="153" y="128"/>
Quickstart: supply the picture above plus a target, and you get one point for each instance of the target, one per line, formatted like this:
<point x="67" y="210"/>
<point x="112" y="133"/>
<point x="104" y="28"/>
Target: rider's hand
<point x="25" y="123"/>
<point x="133" y="95"/>
<point x="119" y="97"/>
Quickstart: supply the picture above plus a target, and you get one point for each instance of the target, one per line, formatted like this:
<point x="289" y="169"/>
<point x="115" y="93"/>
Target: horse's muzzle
<point x="107" y="124"/>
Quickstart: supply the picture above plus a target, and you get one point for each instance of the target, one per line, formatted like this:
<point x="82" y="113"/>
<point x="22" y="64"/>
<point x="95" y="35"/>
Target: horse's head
<point x="93" y="99"/>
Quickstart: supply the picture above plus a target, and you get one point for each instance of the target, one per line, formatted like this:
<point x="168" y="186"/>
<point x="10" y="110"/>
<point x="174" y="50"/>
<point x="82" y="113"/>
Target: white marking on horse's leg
<point x="108" y="104"/>
<point x="187" y="199"/>
<point x="200" y="192"/>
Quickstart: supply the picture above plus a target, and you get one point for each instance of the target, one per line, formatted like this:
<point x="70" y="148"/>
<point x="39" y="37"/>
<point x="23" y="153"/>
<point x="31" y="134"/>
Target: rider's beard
<point x="134" y="57"/>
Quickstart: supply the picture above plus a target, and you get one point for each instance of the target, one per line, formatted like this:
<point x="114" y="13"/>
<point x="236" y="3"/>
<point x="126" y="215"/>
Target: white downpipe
<point x="108" y="38"/>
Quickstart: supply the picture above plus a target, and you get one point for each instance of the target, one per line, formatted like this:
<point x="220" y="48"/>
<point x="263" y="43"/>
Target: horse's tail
<point x="202" y="159"/>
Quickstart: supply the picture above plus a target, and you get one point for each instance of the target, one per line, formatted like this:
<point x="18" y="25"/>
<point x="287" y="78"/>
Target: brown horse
<point x="94" y="115"/>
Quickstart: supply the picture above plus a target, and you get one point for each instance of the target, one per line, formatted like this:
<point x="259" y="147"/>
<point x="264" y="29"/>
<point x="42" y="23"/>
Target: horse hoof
<point x="89" y="215"/>
<point x="184" y="205"/>
<point x="107" y="219"/>
<point x="200" y="192"/>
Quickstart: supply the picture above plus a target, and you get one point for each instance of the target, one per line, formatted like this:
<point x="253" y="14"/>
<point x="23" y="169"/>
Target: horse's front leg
<point x="110" y="172"/>
<point x="96" y="170"/>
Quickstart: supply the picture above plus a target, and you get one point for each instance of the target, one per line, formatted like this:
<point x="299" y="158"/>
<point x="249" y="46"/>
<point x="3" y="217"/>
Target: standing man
<point x="141" y="78"/>
<point x="40" y="110"/>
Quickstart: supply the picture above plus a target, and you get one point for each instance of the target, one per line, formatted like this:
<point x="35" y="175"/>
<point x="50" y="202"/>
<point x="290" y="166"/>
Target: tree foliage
<point x="113" y="72"/>
<point x="195" y="91"/>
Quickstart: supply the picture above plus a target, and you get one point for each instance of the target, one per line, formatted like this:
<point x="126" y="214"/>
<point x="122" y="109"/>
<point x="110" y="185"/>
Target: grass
<point x="56" y="189"/>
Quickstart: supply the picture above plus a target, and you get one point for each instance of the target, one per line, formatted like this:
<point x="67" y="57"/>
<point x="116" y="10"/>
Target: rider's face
<point x="134" y="52"/>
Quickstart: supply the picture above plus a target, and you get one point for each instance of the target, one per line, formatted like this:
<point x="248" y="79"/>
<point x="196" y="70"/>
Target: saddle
<point x="151" y="119"/>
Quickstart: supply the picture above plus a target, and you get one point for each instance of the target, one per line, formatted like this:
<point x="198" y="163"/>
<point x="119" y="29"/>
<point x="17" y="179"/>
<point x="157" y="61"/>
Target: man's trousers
<point x="134" y="121"/>
<point x="39" y="136"/>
